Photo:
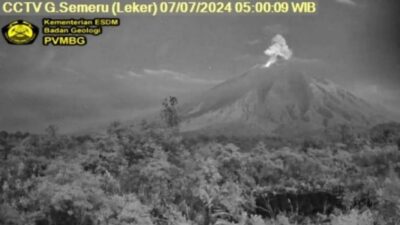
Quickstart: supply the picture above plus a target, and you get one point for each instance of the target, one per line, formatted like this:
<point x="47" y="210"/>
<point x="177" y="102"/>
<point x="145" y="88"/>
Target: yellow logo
<point x="20" y="32"/>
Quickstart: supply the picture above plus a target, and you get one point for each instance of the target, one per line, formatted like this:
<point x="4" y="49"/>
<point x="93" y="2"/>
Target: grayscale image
<point x="207" y="119"/>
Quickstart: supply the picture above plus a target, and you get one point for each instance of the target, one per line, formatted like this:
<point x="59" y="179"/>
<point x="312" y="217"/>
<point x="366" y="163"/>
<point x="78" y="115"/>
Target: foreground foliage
<point x="145" y="175"/>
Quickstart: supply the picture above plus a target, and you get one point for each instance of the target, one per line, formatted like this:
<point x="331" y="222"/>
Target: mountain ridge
<point x="283" y="99"/>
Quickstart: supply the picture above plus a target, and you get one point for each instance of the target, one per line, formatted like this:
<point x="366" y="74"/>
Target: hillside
<point x="284" y="99"/>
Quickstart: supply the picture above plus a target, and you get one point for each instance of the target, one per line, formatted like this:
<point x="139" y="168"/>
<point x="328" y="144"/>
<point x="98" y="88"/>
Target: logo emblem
<point x="20" y="32"/>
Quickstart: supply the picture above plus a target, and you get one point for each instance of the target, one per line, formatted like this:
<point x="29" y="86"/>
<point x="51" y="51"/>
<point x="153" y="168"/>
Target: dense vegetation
<point x="147" y="174"/>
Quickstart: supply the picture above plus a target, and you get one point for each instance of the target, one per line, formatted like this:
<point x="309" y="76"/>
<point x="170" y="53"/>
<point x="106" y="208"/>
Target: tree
<point x="169" y="113"/>
<point x="52" y="130"/>
<point x="6" y="144"/>
<point x="387" y="135"/>
<point x="346" y="134"/>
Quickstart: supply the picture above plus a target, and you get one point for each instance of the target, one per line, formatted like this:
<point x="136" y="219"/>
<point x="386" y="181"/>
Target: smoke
<point x="278" y="48"/>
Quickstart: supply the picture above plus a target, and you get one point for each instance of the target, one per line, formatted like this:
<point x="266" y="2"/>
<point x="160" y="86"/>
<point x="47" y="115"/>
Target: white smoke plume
<point x="278" y="48"/>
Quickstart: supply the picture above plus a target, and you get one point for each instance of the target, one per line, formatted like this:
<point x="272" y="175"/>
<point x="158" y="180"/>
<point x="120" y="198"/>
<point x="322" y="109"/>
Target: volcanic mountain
<point x="284" y="99"/>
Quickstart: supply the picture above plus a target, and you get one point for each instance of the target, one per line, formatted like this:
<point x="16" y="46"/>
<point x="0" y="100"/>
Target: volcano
<point x="284" y="99"/>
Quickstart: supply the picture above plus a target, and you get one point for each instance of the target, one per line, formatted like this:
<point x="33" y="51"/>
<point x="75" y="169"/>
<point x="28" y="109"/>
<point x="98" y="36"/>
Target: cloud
<point x="179" y="76"/>
<point x="120" y="76"/>
<point x="347" y="2"/>
<point x="134" y="74"/>
<point x="254" y="42"/>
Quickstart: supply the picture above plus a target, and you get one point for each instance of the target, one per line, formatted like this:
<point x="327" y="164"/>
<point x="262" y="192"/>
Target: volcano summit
<point x="282" y="99"/>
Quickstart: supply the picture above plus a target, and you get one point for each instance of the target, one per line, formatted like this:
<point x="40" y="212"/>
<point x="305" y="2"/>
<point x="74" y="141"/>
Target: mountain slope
<point x="283" y="99"/>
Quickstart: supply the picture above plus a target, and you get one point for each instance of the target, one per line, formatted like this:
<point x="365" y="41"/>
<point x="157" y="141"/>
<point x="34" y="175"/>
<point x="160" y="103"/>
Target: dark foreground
<point x="146" y="175"/>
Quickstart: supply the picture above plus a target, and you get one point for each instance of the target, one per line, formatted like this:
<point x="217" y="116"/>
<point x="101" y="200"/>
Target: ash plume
<point x="278" y="48"/>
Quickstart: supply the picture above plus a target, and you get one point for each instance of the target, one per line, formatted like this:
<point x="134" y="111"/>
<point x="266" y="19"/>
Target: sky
<point x="128" y="70"/>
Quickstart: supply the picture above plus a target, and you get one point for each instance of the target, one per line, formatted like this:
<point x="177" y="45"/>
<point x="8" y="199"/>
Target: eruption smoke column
<point x="277" y="48"/>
